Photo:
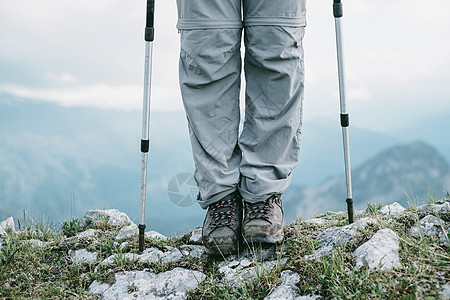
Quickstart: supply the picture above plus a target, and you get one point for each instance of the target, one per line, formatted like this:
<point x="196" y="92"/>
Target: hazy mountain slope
<point x="61" y="161"/>
<point x="322" y="151"/>
<point x="409" y="170"/>
<point x="434" y="130"/>
<point x="54" y="158"/>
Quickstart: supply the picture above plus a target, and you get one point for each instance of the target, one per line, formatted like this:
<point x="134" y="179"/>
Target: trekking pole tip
<point x="337" y="9"/>
<point x="141" y="237"/>
<point x="350" y="210"/>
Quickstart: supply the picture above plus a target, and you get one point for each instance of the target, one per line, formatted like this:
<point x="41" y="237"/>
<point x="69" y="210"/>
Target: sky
<point x="91" y="53"/>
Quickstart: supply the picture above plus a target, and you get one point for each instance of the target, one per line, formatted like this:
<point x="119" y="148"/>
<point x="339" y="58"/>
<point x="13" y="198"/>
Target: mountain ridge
<point x="69" y="160"/>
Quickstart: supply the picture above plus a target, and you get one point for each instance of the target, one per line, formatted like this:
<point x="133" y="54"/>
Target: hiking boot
<point x="263" y="221"/>
<point x="221" y="231"/>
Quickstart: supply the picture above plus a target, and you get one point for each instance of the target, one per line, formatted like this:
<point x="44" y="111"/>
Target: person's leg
<point x="270" y="140"/>
<point x="210" y="70"/>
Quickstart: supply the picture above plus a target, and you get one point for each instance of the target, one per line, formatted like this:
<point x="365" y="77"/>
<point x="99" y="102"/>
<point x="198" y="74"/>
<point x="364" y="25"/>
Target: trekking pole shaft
<point x="338" y="13"/>
<point x="145" y="141"/>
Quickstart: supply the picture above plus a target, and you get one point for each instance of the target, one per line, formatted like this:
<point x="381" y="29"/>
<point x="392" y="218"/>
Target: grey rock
<point x="127" y="232"/>
<point x="83" y="256"/>
<point x="335" y="237"/>
<point x="69" y="242"/>
<point x="288" y="289"/>
<point x="443" y="210"/>
<point x="381" y="251"/>
<point x="1" y="244"/>
<point x="38" y="243"/>
<point x="195" y="251"/>
<point x="151" y="255"/>
<point x="146" y="285"/>
<point x="196" y="236"/>
<point x="445" y="292"/>
<point x="4" y="225"/>
<point x="245" y="263"/>
<point x="237" y="271"/>
<point x="172" y="255"/>
<point x="430" y="226"/>
<point x="392" y="209"/>
<point x="125" y="256"/>
<point x="98" y="288"/>
<point x="112" y="217"/>
<point x="155" y="235"/>
<point x="124" y="246"/>
<point x="87" y="233"/>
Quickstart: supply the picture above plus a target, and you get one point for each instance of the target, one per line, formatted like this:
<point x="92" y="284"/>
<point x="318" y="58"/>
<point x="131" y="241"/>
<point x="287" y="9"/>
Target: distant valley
<point x="57" y="162"/>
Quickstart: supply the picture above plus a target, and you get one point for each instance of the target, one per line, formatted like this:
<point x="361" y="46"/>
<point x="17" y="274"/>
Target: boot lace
<point x="260" y="210"/>
<point x="223" y="213"/>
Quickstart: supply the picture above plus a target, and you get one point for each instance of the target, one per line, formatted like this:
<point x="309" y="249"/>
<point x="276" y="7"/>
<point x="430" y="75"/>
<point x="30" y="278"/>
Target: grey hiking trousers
<point x="258" y="161"/>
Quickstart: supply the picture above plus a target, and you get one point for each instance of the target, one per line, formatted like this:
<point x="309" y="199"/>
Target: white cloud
<point x="126" y="97"/>
<point x="91" y="53"/>
<point x="361" y="93"/>
<point x="60" y="78"/>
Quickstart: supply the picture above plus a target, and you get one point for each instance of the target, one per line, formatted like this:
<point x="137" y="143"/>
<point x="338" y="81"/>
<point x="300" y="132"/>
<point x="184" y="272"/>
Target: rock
<point x="195" y="251"/>
<point x="112" y="217"/>
<point x="151" y="255"/>
<point x="87" y="233"/>
<point x="69" y="242"/>
<point x="146" y="285"/>
<point x="1" y="244"/>
<point x="392" y="209"/>
<point x="443" y="210"/>
<point x="445" y="291"/>
<point x="171" y="255"/>
<point x="83" y="256"/>
<point x="125" y="256"/>
<point x="155" y="235"/>
<point x="237" y="271"/>
<point x="38" y="243"/>
<point x="127" y="232"/>
<point x="124" y="246"/>
<point x="381" y="251"/>
<point x="335" y="237"/>
<point x="288" y="289"/>
<point x="429" y="225"/>
<point x="98" y="288"/>
<point x="8" y="223"/>
<point x="196" y="236"/>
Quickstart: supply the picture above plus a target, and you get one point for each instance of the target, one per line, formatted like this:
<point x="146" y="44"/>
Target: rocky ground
<point x="388" y="252"/>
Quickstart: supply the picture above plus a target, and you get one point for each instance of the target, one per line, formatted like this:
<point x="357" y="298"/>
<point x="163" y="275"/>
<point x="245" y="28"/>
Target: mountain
<point x="57" y="161"/>
<point x="399" y="174"/>
<point x="432" y="129"/>
<point x="322" y="150"/>
<point x="60" y="162"/>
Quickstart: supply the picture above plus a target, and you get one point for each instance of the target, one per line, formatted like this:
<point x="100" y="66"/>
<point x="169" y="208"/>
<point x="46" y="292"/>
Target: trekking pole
<point x="338" y="13"/>
<point x="145" y="142"/>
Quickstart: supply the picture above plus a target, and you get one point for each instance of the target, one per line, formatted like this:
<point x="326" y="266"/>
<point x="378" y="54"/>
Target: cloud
<point x="361" y="93"/>
<point x="60" y="78"/>
<point x="91" y="53"/>
<point x="125" y="97"/>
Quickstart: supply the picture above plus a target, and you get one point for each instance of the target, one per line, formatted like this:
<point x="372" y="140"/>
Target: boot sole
<point x="222" y="250"/>
<point x="264" y="238"/>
